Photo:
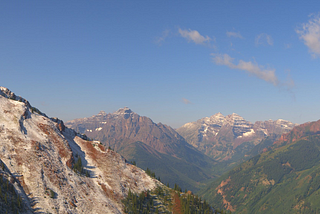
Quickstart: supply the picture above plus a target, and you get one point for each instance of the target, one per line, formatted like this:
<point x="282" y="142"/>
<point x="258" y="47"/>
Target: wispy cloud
<point x="267" y="75"/>
<point x="263" y="39"/>
<point x="186" y="101"/>
<point x="194" y="36"/>
<point x="161" y="39"/>
<point x="287" y="46"/>
<point x="234" y="34"/>
<point x="310" y="33"/>
<point x="259" y="71"/>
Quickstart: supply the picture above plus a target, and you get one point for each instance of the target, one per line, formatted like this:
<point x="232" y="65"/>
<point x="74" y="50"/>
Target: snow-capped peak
<point x="218" y="114"/>
<point x="102" y="113"/>
<point x="124" y="110"/>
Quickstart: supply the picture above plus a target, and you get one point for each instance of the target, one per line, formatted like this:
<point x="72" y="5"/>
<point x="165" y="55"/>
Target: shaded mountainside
<point x="228" y="138"/>
<point x="150" y="145"/>
<point x="285" y="179"/>
<point x="52" y="169"/>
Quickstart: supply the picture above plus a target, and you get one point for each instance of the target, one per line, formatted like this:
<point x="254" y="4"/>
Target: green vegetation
<point x="134" y="163"/>
<point x="285" y="179"/>
<point x="166" y="200"/>
<point x="34" y="109"/>
<point x="152" y="174"/>
<point x="10" y="201"/>
<point x="78" y="168"/>
<point x="147" y="202"/>
<point x="172" y="170"/>
<point x="50" y="193"/>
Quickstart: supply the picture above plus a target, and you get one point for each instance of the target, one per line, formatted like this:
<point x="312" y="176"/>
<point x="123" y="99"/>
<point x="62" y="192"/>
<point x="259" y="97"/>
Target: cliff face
<point x="40" y="154"/>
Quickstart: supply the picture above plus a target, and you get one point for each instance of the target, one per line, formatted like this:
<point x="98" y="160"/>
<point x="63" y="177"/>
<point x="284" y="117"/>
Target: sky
<point x="172" y="61"/>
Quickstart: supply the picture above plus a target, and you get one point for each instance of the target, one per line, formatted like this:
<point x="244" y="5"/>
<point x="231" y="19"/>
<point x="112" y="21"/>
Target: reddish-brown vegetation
<point x="91" y="150"/>
<point x="72" y="204"/>
<point x="101" y="147"/>
<point x="107" y="191"/>
<point x="70" y="162"/>
<point x="63" y="149"/>
<point x="176" y="204"/>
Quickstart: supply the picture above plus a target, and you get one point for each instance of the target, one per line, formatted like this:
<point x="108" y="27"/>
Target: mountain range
<point x="155" y="146"/>
<point x="229" y="138"/>
<point x="284" y="178"/>
<point x="192" y="154"/>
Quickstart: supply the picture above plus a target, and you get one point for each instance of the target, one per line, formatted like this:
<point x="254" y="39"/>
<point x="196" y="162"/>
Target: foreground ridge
<point x="54" y="169"/>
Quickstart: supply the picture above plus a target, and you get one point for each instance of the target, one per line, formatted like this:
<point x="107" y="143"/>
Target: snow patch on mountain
<point x="247" y="134"/>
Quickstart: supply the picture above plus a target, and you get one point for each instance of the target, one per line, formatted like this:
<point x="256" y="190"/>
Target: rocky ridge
<point x="40" y="152"/>
<point x="124" y="126"/>
<point x="219" y="136"/>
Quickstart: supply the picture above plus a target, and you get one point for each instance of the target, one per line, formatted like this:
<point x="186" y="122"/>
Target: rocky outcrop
<point x="60" y="125"/>
<point x="5" y="92"/>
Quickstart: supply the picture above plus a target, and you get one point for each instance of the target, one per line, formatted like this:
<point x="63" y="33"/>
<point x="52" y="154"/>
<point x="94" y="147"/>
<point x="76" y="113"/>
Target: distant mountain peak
<point x="217" y="115"/>
<point x="124" y="110"/>
<point x="211" y="134"/>
<point x="102" y="113"/>
<point x="235" y="116"/>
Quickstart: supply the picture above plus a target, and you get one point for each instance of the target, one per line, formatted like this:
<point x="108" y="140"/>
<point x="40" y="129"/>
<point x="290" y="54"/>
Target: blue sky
<point x="174" y="62"/>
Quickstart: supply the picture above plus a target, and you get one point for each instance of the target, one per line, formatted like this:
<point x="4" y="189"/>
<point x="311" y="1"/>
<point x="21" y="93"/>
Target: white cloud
<point x="165" y="34"/>
<point x="310" y="33"/>
<point x="234" y="34"/>
<point x="186" y="101"/>
<point x="267" y="75"/>
<point x="263" y="39"/>
<point x="194" y="36"/>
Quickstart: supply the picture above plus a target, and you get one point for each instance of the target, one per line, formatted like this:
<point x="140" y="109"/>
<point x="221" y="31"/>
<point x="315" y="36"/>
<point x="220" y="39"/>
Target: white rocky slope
<point x="39" y="152"/>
